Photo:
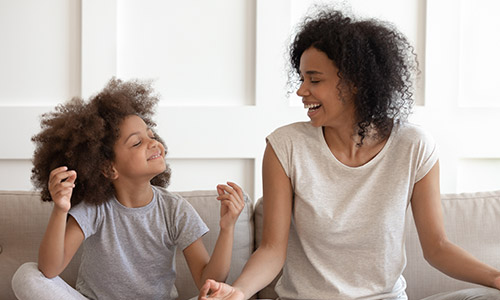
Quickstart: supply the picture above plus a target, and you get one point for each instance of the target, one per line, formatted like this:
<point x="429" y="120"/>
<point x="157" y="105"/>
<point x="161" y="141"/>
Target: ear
<point x="110" y="172"/>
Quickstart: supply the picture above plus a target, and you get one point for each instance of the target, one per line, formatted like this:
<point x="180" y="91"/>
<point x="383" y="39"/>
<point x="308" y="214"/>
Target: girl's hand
<point x="217" y="290"/>
<point x="61" y="184"/>
<point x="232" y="203"/>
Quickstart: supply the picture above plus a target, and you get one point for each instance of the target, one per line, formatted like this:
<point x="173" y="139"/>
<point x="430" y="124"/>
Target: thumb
<point x="72" y="177"/>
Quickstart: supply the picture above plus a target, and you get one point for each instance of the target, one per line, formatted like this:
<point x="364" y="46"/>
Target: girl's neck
<point x="133" y="195"/>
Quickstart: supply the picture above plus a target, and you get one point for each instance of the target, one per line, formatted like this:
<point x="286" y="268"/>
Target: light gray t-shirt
<point x="128" y="253"/>
<point x="347" y="233"/>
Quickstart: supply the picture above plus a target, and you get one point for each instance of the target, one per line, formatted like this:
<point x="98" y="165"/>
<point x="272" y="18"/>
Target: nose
<point x="153" y="143"/>
<point x="302" y="90"/>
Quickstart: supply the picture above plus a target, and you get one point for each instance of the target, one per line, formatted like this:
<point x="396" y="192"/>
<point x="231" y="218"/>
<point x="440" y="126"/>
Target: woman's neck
<point x="344" y="143"/>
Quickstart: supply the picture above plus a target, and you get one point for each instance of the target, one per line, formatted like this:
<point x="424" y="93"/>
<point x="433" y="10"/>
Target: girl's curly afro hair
<point x="81" y="136"/>
<point x="373" y="58"/>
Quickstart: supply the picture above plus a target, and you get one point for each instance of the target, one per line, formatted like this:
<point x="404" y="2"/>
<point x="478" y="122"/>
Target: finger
<point x="237" y="188"/>
<point x="220" y="190"/>
<point x="65" y="191"/>
<point x="58" y="170"/>
<point x="239" y="191"/>
<point x="62" y="176"/>
<point x="205" y="288"/>
<point x="58" y="187"/>
<point x="231" y="208"/>
<point x="236" y="206"/>
<point x="228" y="190"/>
<point x="234" y="197"/>
<point x="209" y="288"/>
<point x="72" y="178"/>
<point x="225" y="188"/>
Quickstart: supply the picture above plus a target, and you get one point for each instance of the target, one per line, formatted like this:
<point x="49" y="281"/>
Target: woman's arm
<point x="438" y="250"/>
<point x="268" y="259"/>
<point x="201" y="265"/>
<point x="63" y="235"/>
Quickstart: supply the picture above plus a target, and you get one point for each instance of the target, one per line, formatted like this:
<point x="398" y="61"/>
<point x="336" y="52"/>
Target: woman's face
<point x="138" y="155"/>
<point x="320" y="91"/>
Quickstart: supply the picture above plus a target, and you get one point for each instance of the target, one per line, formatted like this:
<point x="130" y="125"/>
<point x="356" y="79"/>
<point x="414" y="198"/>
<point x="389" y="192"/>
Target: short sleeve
<point x="280" y="142"/>
<point x="428" y="155"/>
<point x="187" y="224"/>
<point x="87" y="216"/>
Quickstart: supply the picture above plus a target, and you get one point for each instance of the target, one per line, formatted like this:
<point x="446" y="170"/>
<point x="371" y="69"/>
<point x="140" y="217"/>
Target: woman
<point x="337" y="188"/>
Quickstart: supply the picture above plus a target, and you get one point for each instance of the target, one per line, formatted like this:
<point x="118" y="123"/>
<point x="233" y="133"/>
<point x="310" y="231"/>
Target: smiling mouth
<point x="312" y="107"/>
<point x="155" y="156"/>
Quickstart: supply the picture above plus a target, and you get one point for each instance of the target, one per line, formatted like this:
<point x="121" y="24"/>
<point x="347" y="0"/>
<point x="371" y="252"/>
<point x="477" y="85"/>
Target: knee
<point x="24" y="276"/>
<point x="489" y="294"/>
<point x="484" y="293"/>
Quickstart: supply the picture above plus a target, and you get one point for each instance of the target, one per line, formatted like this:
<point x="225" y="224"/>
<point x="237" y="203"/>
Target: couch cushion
<point x="472" y="221"/>
<point x="23" y="219"/>
<point x="208" y="207"/>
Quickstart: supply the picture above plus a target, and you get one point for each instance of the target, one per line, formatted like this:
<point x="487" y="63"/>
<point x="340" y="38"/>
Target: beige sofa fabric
<point x="24" y="217"/>
<point x="472" y="220"/>
<point x="203" y="202"/>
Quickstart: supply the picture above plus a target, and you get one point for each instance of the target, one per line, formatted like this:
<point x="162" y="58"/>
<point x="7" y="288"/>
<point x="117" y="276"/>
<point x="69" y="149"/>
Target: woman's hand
<point x="61" y="184"/>
<point x="218" y="290"/>
<point x="232" y="203"/>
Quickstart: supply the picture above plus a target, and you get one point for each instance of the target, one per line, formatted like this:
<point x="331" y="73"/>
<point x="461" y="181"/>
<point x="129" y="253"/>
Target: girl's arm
<point x="268" y="259"/>
<point x="217" y="266"/>
<point x="438" y="250"/>
<point x="63" y="235"/>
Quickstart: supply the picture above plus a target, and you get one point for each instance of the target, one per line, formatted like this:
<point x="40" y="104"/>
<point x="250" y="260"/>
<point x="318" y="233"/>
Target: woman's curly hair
<point x="374" y="59"/>
<point x="81" y="136"/>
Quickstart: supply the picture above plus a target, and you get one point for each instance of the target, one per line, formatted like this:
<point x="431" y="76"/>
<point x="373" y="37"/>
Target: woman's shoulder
<point x="412" y="133"/>
<point x="294" y="129"/>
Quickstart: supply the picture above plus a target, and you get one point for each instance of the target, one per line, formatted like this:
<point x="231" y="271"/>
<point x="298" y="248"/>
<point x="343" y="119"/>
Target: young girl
<point x="104" y="167"/>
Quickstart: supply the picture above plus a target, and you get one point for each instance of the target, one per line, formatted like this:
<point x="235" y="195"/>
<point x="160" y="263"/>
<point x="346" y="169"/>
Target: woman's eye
<point x="314" y="80"/>
<point x="137" y="144"/>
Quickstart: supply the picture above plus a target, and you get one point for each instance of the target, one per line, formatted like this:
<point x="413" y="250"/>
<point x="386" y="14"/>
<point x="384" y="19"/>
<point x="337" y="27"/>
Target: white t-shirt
<point x="347" y="233"/>
<point x="128" y="253"/>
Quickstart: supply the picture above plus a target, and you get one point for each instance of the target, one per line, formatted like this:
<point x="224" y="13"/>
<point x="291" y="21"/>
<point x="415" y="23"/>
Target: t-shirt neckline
<point x="377" y="157"/>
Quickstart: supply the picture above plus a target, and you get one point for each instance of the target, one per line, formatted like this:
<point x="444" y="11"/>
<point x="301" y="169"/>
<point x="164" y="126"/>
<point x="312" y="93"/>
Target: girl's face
<point x="138" y="155"/>
<point x="320" y="91"/>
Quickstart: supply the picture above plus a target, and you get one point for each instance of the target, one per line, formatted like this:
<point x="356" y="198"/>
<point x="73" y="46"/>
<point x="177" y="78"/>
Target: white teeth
<point x="313" y="106"/>
<point x="155" y="156"/>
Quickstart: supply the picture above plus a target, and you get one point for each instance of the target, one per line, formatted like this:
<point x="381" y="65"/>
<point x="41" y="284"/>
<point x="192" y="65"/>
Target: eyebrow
<point x="312" y="72"/>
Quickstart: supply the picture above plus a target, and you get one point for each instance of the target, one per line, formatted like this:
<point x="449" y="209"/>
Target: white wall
<point x="219" y="66"/>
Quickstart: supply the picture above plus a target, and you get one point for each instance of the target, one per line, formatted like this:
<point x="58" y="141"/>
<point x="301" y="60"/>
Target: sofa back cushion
<point x="24" y="217"/>
<point x="208" y="207"/>
<point x="472" y="221"/>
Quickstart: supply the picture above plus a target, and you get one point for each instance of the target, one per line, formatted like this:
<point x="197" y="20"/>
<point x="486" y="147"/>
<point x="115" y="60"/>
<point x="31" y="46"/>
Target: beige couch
<point x="472" y="221"/>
